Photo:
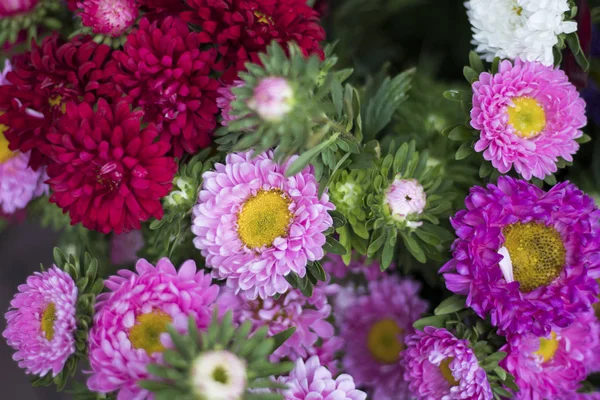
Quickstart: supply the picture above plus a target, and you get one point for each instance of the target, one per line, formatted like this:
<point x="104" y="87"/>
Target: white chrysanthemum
<point x="219" y="375"/>
<point x="527" y="29"/>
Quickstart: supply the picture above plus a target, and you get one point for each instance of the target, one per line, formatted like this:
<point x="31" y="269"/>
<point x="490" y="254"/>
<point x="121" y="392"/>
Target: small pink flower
<point x="273" y="99"/>
<point x="8" y="8"/>
<point x="224" y="100"/>
<point x="108" y="17"/>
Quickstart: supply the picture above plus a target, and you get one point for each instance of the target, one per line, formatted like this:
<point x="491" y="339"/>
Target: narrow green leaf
<point x="450" y="305"/>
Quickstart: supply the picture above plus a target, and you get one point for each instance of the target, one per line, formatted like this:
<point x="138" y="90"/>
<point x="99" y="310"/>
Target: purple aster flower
<point x="41" y="322"/>
<point x="255" y="226"/>
<point x="124" y="247"/>
<point x="334" y="265"/>
<point x="131" y="321"/>
<point x="529" y="115"/>
<point x="312" y="381"/>
<point x="224" y="100"/>
<point x="328" y="353"/>
<point x="291" y="309"/>
<point x="438" y="366"/>
<point x="553" y="366"/>
<point x="373" y="328"/>
<point x="523" y="255"/>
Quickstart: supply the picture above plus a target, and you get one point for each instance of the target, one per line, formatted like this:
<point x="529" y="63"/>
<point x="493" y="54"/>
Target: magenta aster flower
<point x="373" y="329"/>
<point x="41" y="322"/>
<point x="131" y="321"/>
<point x="224" y="100"/>
<point x="255" y="226"/>
<point x="291" y="309"/>
<point x="312" y="381"/>
<point x="437" y="365"/>
<point x="529" y="115"/>
<point x="553" y="366"/>
<point x="8" y="8"/>
<point x="124" y="247"/>
<point x="163" y="70"/>
<point x="108" y="17"/>
<point x="523" y="255"/>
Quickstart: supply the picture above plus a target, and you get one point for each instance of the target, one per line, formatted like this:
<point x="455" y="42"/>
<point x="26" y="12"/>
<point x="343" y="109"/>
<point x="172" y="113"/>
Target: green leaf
<point x="337" y="95"/>
<point x="414" y="248"/>
<point x="334" y="247"/>
<point x="437" y="321"/>
<point x="455" y="95"/>
<point x="305" y="158"/>
<point x="470" y="75"/>
<point x="461" y="133"/>
<point x="464" y="151"/>
<point x="583" y="139"/>
<point x="475" y="62"/>
<point x="281" y="337"/>
<point x="450" y="305"/>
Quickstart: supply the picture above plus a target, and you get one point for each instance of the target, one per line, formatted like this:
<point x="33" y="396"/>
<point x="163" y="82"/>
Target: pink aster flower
<point x="406" y="197"/>
<point x="41" y="323"/>
<point x="19" y="184"/>
<point x="131" y="322"/>
<point x="334" y="265"/>
<point x="273" y="98"/>
<point x="327" y="353"/>
<point x="108" y="17"/>
<point x="523" y="255"/>
<point x="438" y="366"/>
<point x="8" y="8"/>
<point x="224" y="100"/>
<point x="373" y="329"/>
<point x="312" y="381"/>
<point x="529" y="115"/>
<point x="553" y="366"/>
<point x="291" y="309"/>
<point x="124" y="247"/>
<point x="255" y="226"/>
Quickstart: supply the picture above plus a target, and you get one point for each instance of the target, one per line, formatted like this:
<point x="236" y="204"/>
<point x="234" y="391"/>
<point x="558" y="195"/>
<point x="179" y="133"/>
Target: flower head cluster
<point x="529" y="116"/>
<point x="162" y="69"/>
<point x="255" y="226"/>
<point x="108" y="17"/>
<point x="523" y="255"/>
<point x="241" y="29"/>
<point x="552" y="366"/>
<point x="406" y="197"/>
<point x="109" y="173"/>
<point x="374" y="328"/>
<point x="14" y="7"/>
<point x="41" y="323"/>
<point x="292" y="309"/>
<point x="310" y="380"/>
<point x="526" y="29"/>
<point x="130" y="325"/>
<point x="437" y="365"/>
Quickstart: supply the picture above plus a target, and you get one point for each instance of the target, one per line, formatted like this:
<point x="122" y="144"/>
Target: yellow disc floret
<point x="537" y="253"/>
<point x="385" y="341"/>
<point x="447" y="372"/>
<point x="145" y="334"/>
<point x="48" y="319"/>
<point x="548" y="348"/>
<point x="263" y="218"/>
<point x="527" y="116"/>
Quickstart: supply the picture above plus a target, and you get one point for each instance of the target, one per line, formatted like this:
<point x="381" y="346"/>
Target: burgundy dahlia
<point x="43" y="81"/>
<point x="108" y="172"/>
<point x="243" y="28"/>
<point x="163" y="70"/>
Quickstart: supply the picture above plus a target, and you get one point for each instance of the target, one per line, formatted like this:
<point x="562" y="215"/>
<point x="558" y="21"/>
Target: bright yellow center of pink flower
<point x="547" y="348"/>
<point x="263" y="18"/>
<point x="384" y="341"/>
<point x="537" y="253"/>
<point x="5" y="153"/>
<point x="263" y="218"/>
<point x="447" y="372"/>
<point x="527" y="116"/>
<point x="145" y="334"/>
<point x="47" y="323"/>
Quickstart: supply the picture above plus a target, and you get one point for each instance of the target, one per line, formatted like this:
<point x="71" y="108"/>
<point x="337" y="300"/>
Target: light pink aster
<point x="255" y="226"/>
<point x="291" y="309"/>
<point x="554" y="114"/>
<point x="19" y="184"/>
<point x="553" y="366"/>
<point x="373" y="328"/>
<point x="124" y="247"/>
<point x="41" y="323"/>
<point x="438" y="366"/>
<point x="224" y="100"/>
<point x="108" y="17"/>
<point x="312" y="381"/>
<point x="129" y="329"/>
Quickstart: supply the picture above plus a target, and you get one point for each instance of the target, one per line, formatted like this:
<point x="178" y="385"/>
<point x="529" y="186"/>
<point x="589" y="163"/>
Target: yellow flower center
<point x="527" y="116"/>
<point x="537" y="253"/>
<point x="518" y="10"/>
<point x="56" y="101"/>
<point x="263" y="18"/>
<point x="145" y="334"/>
<point x="220" y="375"/>
<point x="48" y="318"/>
<point x="385" y="341"/>
<point x="548" y="348"/>
<point x="5" y="153"/>
<point x="447" y="372"/>
<point x="263" y="218"/>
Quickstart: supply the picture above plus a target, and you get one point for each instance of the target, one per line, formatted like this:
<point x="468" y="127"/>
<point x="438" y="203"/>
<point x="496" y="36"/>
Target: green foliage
<point x="173" y="377"/>
<point x="84" y="270"/>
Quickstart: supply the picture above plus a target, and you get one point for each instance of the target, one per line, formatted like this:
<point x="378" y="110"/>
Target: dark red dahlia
<point x="163" y="70"/>
<point x="43" y="81"/>
<point x="108" y="173"/>
<point x="243" y="28"/>
<point x="72" y="5"/>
